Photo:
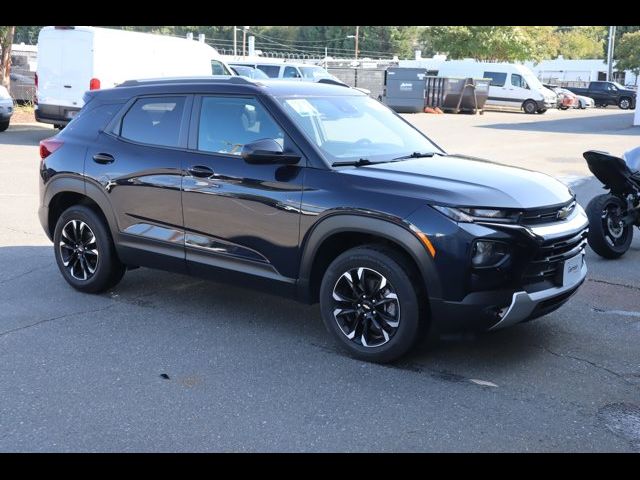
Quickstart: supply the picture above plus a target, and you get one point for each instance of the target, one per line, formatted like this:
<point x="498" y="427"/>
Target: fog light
<point x="487" y="253"/>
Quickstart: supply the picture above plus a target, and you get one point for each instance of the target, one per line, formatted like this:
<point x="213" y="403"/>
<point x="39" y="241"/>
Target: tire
<point x="563" y="107"/>
<point x="78" y="223"/>
<point x="370" y="264"/>
<point x="624" y="103"/>
<point x="529" y="107"/>
<point x="604" y="238"/>
<point x="4" y="126"/>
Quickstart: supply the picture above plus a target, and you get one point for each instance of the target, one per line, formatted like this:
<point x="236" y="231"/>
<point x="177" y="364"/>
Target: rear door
<point x="137" y="165"/>
<point x="598" y="91"/>
<point x="65" y="66"/>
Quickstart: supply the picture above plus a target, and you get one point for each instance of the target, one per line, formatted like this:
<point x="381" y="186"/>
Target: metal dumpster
<point x="404" y="89"/>
<point x="465" y="94"/>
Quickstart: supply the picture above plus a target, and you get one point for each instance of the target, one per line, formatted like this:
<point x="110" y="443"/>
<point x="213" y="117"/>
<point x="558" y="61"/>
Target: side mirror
<point x="267" y="152"/>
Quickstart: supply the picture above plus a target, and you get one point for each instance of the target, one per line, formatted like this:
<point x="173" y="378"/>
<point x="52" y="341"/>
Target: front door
<point x="239" y="216"/>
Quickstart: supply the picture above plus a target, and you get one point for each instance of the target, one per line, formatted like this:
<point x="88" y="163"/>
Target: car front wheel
<point x="370" y="305"/>
<point x="530" y="107"/>
<point x="4" y="126"/>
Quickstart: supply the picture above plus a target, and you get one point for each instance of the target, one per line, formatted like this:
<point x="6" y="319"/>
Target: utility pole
<point x="244" y="41"/>
<point x="610" y="49"/>
<point x="357" y="35"/>
<point x="235" y="42"/>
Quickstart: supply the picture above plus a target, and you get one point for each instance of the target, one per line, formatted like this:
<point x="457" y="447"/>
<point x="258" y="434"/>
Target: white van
<point x="72" y="60"/>
<point x="512" y="86"/>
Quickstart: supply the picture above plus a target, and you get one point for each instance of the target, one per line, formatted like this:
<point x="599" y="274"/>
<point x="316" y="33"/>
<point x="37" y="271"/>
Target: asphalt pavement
<point x="165" y="362"/>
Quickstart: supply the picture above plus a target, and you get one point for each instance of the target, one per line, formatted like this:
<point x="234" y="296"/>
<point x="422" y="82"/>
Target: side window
<point x="498" y="79"/>
<point x="271" y="70"/>
<point x="228" y="123"/>
<point x="155" y="121"/>
<point x="518" y="81"/>
<point x="612" y="87"/>
<point x="291" y="72"/>
<point x="598" y="87"/>
<point x="218" y="68"/>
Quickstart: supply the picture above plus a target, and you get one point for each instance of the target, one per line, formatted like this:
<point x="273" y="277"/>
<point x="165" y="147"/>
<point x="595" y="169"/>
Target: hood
<point x="463" y="181"/>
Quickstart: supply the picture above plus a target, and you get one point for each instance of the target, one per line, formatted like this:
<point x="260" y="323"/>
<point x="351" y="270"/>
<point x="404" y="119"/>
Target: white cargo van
<point x="512" y="85"/>
<point x="72" y="60"/>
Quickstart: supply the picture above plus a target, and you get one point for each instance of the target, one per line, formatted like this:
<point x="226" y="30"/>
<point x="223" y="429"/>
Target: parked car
<point x="608" y="93"/>
<point x="566" y="99"/>
<point x="6" y="108"/>
<point x="72" y="60"/>
<point x="584" y="102"/>
<point x="248" y="72"/>
<point x="312" y="190"/>
<point x="512" y="85"/>
<point x="23" y="87"/>
<point x="292" y="71"/>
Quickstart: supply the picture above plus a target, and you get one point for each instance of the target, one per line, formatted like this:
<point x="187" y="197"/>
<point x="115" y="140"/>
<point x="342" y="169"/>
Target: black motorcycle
<point x="612" y="216"/>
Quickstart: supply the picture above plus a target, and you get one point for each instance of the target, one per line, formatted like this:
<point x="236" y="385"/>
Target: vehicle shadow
<point x="613" y="124"/>
<point x="29" y="135"/>
<point x="235" y="312"/>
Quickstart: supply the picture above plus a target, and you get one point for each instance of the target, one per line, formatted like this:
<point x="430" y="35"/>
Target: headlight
<point x="468" y="214"/>
<point x="486" y="253"/>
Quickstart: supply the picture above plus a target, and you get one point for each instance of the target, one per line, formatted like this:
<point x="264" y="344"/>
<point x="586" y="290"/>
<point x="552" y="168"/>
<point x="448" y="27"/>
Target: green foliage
<point x="492" y="43"/>
<point x="582" y="42"/>
<point x="628" y="52"/>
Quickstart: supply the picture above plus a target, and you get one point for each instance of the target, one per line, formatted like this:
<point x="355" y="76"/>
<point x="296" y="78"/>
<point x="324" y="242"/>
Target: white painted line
<point x="483" y="383"/>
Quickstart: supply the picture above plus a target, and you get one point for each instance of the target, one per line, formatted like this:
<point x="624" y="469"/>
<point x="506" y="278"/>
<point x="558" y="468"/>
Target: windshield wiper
<point x="357" y="163"/>
<point x="418" y="155"/>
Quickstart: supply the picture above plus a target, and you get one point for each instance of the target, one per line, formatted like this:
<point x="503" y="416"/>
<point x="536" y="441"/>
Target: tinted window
<point x="271" y="70"/>
<point x="227" y="124"/>
<point x="518" y="81"/>
<point x="598" y="86"/>
<point x="497" y="79"/>
<point x="291" y="72"/>
<point x="154" y="120"/>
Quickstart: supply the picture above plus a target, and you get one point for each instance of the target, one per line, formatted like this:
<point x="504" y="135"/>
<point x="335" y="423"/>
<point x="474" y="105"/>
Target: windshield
<point x="315" y="73"/>
<point x="250" y="72"/>
<point x="349" y="128"/>
<point x="533" y="82"/>
<point x="620" y="87"/>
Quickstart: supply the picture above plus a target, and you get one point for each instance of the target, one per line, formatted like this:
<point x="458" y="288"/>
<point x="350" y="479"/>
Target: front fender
<point x="396" y="232"/>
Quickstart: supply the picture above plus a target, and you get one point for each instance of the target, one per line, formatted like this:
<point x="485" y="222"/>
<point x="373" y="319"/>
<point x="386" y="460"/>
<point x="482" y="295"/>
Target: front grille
<point x="548" y="214"/>
<point x="548" y="261"/>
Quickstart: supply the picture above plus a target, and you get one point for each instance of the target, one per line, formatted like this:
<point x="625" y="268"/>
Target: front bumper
<point x="5" y="112"/>
<point x="536" y="291"/>
<point x="546" y="104"/>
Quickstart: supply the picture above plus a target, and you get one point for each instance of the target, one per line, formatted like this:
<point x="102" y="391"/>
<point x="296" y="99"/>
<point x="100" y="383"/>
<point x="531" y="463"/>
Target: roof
<point x="237" y="84"/>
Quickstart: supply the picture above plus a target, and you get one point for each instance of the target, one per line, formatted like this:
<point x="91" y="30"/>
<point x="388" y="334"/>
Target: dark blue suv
<point x="310" y="190"/>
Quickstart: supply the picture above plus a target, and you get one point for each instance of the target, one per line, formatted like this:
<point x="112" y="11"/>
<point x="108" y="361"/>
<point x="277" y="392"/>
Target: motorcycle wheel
<point x="608" y="237"/>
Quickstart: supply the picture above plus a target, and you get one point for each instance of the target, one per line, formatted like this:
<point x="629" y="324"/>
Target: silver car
<point x="6" y="108"/>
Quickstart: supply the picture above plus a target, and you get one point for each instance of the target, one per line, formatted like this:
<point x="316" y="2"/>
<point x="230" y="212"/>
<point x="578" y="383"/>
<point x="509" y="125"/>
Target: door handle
<point x="201" y="171"/>
<point x="103" y="158"/>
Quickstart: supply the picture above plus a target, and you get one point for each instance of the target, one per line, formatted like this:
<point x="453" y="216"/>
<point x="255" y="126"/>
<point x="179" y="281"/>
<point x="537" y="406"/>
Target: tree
<point x="582" y="42"/>
<point x="493" y="43"/>
<point x="628" y="53"/>
<point x="6" y="40"/>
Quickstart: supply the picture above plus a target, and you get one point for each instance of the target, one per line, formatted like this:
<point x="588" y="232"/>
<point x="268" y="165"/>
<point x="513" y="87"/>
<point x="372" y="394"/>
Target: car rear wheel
<point x="4" y="126"/>
<point x="624" y="103"/>
<point x="530" y="107"/>
<point x="370" y="305"/>
<point x="84" y="251"/>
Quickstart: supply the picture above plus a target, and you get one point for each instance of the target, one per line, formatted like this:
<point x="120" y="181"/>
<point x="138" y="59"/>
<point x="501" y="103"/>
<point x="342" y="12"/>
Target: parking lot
<point x="165" y="362"/>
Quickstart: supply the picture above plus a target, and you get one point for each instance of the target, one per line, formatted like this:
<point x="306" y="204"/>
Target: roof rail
<point x="235" y="79"/>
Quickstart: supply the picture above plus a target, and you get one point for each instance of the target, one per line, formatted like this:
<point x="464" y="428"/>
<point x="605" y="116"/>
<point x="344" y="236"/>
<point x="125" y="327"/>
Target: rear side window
<point x="598" y="86"/>
<point x="271" y="70"/>
<point x="498" y="79"/>
<point x="155" y="121"/>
